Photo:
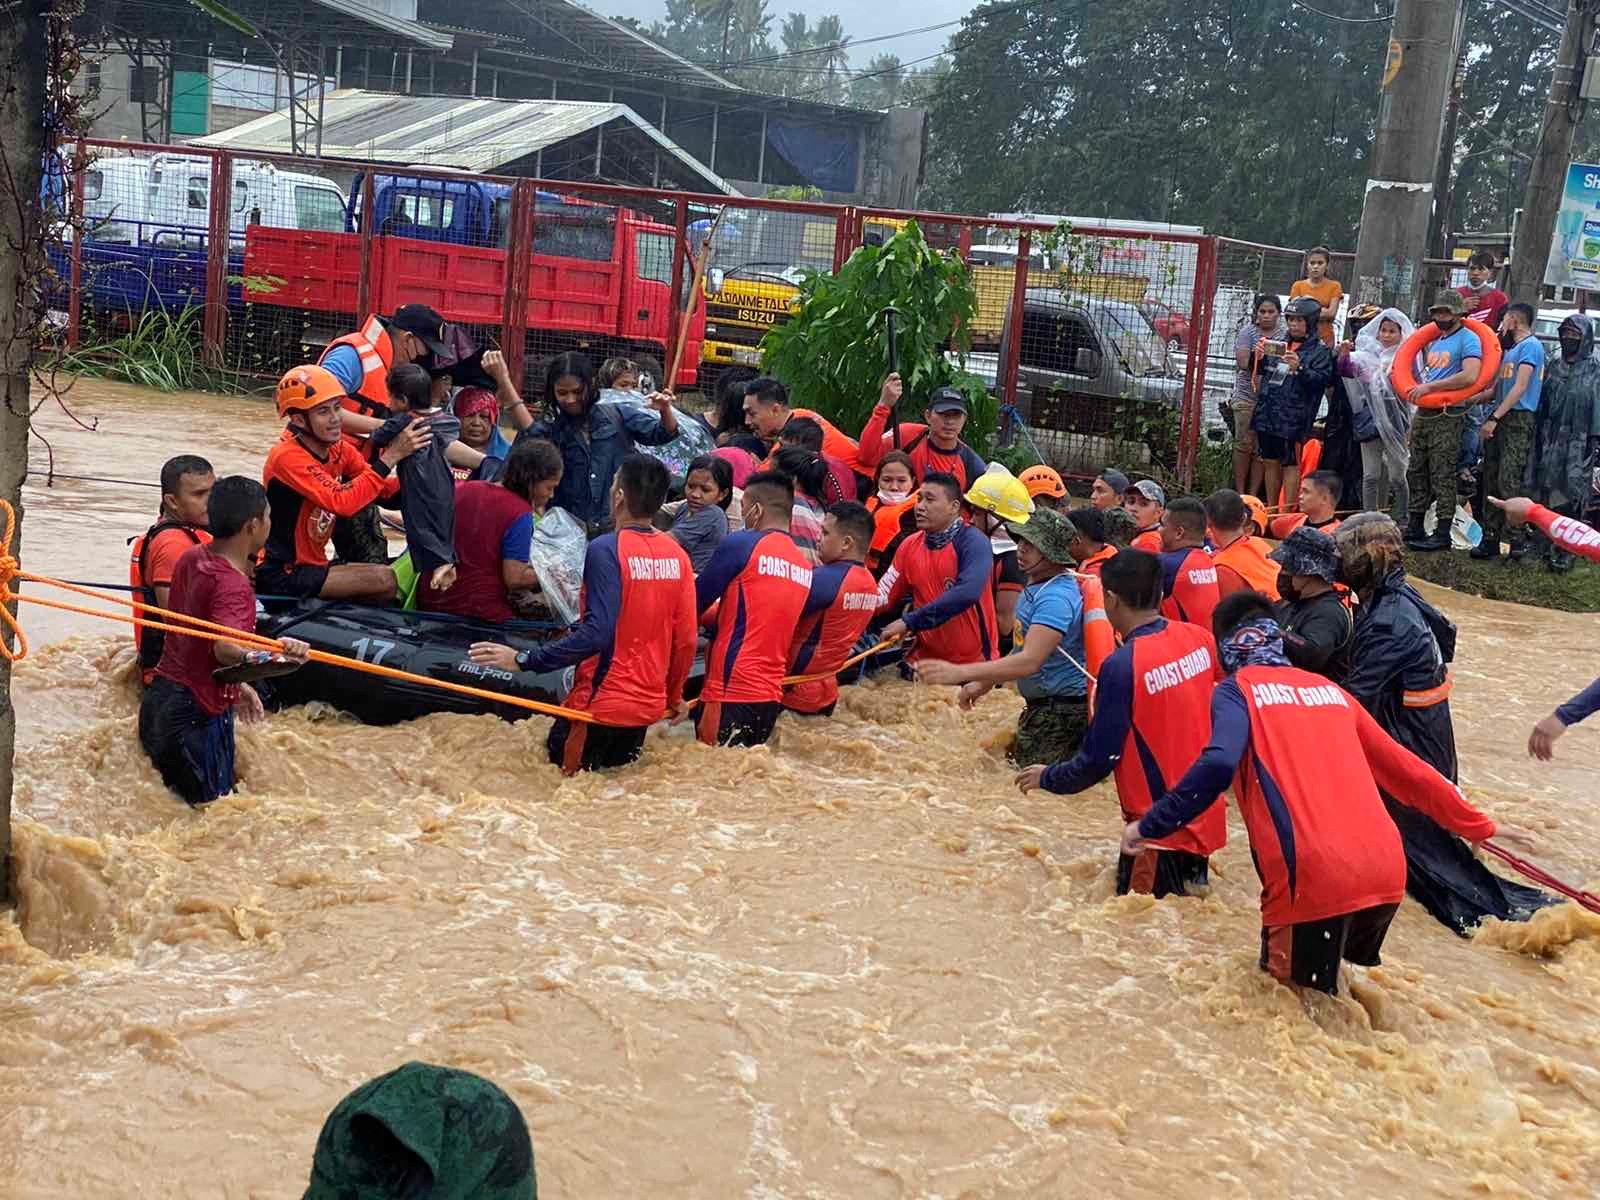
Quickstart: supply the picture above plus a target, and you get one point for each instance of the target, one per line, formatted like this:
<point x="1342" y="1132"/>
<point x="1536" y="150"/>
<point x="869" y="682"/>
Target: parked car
<point x="1171" y="326"/>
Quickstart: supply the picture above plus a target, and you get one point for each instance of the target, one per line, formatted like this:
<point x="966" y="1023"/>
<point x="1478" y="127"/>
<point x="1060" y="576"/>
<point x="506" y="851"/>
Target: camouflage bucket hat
<point x="1308" y="552"/>
<point x="1048" y="532"/>
<point x="427" y="1131"/>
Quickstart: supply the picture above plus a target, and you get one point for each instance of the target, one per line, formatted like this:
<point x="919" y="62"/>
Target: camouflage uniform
<point x="1435" y="443"/>
<point x="359" y="539"/>
<point x="1050" y="730"/>
<point x="1505" y="458"/>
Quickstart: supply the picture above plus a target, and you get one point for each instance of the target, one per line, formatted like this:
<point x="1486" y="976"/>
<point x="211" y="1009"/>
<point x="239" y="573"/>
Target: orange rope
<point x="195" y="627"/>
<point x="791" y="680"/>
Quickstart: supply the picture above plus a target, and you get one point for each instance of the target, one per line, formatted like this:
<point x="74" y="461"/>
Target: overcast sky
<point x="860" y="21"/>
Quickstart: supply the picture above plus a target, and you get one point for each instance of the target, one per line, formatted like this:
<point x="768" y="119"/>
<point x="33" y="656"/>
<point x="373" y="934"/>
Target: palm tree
<point x="881" y="84"/>
<point x="833" y="55"/>
<point x="797" y="37"/>
<point x="717" y="12"/>
<point x="752" y="24"/>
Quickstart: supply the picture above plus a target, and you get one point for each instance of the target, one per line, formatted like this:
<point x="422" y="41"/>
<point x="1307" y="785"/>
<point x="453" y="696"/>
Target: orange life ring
<point x="1403" y="373"/>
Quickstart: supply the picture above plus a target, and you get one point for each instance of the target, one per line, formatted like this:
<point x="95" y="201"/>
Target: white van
<point x="178" y="200"/>
<point x="164" y="200"/>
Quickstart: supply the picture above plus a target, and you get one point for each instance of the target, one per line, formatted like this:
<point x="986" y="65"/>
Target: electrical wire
<point x="1388" y="16"/>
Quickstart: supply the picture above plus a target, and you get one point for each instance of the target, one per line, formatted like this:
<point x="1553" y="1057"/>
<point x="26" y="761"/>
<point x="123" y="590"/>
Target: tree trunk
<point x="22" y="106"/>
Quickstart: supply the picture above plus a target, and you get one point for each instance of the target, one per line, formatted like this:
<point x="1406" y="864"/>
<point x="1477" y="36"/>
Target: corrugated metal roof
<point x="430" y="39"/>
<point x="472" y="134"/>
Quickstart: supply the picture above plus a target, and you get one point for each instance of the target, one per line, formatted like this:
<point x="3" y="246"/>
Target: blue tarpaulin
<point x="827" y="155"/>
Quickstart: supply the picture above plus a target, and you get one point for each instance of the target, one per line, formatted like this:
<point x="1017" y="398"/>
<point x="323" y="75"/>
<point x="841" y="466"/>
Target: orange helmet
<point x="1043" y="481"/>
<point x="1255" y="511"/>
<point x="306" y="387"/>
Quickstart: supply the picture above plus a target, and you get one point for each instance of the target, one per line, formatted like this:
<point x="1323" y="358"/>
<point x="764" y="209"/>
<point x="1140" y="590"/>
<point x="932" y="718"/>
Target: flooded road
<point x="856" y="963"/>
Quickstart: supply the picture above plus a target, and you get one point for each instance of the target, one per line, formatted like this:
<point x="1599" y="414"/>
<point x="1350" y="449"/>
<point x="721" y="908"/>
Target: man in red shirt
<point x="186" y="716"/>
<point x="754" y="588"/>
<point x="935" y="446"/>
<point x="1146" y="501"/>
<point x="1485" y="302"/>
<point x="1306" y="762"/>
<point x="633" y="645"/>
<point x="1188" y="573"/>
<point x="186" y="483"/>
<point x="944" y="570"/>
<point x="313" y="477"/>
<point x="1150" y="721"/>
<point x="843" y="600"/>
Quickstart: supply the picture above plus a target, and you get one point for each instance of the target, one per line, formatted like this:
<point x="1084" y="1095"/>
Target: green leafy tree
<point x="833" y="56"/>
<point x="832" y="352"/>
<point x="881" y="84"/>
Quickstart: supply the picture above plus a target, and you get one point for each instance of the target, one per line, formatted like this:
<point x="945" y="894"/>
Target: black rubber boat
<point x="433" y="645"/>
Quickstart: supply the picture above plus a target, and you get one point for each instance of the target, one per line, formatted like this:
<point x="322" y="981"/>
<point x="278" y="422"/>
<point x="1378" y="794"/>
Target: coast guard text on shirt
<point x="782" y="568"/>
<point x="642" y="567"/>
<point x="1171" y="674"/>
<point x="1327" y="696"/>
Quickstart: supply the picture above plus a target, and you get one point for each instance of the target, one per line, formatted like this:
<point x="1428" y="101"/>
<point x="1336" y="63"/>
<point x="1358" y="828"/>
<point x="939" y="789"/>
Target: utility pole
<point x="1444" y="194"/>
<point x="1547" y="174"/>
<point x="1424" y="44"/>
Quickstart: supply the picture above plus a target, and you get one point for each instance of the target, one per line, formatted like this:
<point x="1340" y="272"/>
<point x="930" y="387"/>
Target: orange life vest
<point x="1099" y="640"/>
<point x="376" y="349"/>
<point x="149" y="643"/>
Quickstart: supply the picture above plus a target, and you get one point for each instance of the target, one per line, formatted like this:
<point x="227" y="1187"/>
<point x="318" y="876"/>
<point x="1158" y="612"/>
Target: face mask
<point x="1286" y="587"/>
<point x="1570" y="346"/>
<point x="893" y="497"/>
<point x="1508" y="340"/>
<point x="1446" y="324"/>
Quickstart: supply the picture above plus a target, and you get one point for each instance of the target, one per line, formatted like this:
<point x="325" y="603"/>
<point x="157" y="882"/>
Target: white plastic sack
<point x="693" y="439"/>
<point x="556" y="556"/>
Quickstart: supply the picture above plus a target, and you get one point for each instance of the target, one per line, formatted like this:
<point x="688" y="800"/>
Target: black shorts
<point x="820" y="712"/>
<point x="1308" y="954"/>
<point x="1161" y="873"/>
<point x="1272" y="448"/>
<point x="579" y="746"/>
<point x="192" y="749"/>
<point x="290" y="579"/>
<point x="721" y="724"/>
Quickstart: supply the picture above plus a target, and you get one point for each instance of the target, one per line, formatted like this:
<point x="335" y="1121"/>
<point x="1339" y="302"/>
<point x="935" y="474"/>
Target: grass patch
<point x="1524" y="582"/>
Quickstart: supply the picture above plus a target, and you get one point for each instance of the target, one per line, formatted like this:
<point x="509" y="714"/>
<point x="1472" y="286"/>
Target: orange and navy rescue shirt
<point x="1150" y="722"/>
<point x="307" y="494"/>
<point x="951" y="593"/>
<point x="634" y="644"/>
<point x="759" y="582"/>
<point x="844" y="597"/>
<point x="965" y="463"/>
<point x="1306" y="762"/>
<point x="1189" y="589"/>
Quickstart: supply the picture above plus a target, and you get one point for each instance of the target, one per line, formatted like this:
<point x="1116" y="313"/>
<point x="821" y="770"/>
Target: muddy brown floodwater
<point x="854" y="964"/>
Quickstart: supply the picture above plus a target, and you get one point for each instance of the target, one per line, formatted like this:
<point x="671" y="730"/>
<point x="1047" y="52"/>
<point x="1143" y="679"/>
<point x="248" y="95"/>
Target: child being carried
<point x="427" y="486"/>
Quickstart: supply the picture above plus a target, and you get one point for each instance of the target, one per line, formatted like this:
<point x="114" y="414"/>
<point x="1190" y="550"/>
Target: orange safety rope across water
<point x="1542" y="877"/>
<point x="10" y="570"/>
<point x="791" y="680"/>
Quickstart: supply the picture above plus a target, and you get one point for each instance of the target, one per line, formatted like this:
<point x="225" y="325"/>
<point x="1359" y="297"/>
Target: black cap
<point x="948" y="399"/>
<point x="423" y="322"/>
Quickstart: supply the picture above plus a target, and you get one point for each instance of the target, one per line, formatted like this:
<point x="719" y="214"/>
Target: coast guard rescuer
<point x="1306" y="761"/>
<point x="945" y="570"/>
<point x="634" y="643"/>
<point x="754" y="589"/>
<point x="314" y="476"/>
<point x="186" y="483"/>
<point x="1188" y="574"/>
<point x="843" y="601"/>
<point x="1149" y="724"/>
<point x="361" y="362"/>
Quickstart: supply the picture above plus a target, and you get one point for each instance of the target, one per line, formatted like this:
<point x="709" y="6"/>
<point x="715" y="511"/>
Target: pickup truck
<point x="1091" y="366"/>
<point x="600" y="280"/>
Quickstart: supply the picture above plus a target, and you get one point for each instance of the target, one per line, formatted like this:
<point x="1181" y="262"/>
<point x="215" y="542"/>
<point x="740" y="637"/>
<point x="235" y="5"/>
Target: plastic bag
<point x="693" y="439"/>
<point x="556" y="556"/>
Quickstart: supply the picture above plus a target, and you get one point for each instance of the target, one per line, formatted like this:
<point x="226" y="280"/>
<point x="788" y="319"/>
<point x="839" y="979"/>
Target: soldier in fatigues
<point x="1508" y="432"/>
<point x="1454" y="359"/>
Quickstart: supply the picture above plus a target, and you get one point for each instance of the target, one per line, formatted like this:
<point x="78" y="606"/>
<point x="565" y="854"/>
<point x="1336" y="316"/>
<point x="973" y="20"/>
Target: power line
<point x="1388" y="16"/>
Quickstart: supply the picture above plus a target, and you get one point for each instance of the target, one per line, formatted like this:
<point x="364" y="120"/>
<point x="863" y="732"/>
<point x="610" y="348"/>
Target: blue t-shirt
<point x="344" y="364"/>
<point x="1529" y="351"/>
<point x="517" y="543"/>
<point x="1056" y="604"/>
<point x="1443" y="355"/>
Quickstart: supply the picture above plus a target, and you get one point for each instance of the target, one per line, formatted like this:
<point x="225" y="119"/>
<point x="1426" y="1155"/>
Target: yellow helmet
<point x="998" y="491"/>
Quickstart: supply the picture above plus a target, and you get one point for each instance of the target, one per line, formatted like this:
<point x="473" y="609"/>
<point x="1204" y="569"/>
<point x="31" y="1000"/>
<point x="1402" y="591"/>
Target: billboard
<point x="1575" y="248"/>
